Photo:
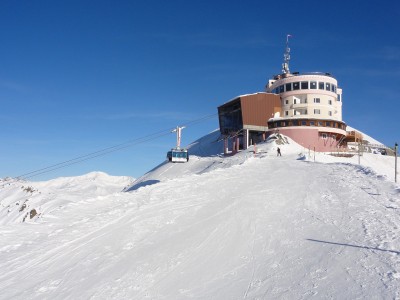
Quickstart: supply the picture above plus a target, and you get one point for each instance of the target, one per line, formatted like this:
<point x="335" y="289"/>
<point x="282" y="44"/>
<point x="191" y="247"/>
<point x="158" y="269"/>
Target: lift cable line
<point x="108" y="150"/>
<point x="90" y="156"/>
<point x="85" y="157"/>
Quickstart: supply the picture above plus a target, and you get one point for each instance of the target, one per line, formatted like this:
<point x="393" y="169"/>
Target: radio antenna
<point x="286" y="56"/>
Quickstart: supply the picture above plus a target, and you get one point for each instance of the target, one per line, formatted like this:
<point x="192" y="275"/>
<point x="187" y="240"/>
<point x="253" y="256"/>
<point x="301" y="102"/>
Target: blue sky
<point x="80" y="76"/>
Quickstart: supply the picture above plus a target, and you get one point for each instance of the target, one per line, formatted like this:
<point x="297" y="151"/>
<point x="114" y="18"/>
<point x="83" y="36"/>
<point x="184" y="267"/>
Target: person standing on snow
<point x="278" y="152"/>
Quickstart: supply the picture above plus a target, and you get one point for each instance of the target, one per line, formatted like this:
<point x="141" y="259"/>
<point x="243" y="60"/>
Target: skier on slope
<point x="278" y="152"/>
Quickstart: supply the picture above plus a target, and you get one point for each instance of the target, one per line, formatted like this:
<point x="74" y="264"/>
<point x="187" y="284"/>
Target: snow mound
<point x="24" y="201"/>
<point x="206" y="154"/>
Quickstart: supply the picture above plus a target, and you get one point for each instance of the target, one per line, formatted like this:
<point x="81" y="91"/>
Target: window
<point x="286" y="113"/>
<point x="330" y="113"/>
<point x="281" y="89"/>
<point x="317" y="100"/>
<point x="333" y="88"/>
<point x="324" y="136"/>
<point x="283" y="124"/>
<point x="296" y="122"/>
<point x="296" y="85"/>
<point x="313" y="85"/>
<point x="317" y="111"/>
<point x="321" y="85"/>
<point x="304" y="85"/>
<point x="330" y="102"/>
<point x="328" y="86"/>
<point x="312" y="123"/>
<point x="320" y="123"/>
<point x="338" y="98"/>
<point x="328" y="124"/>
<point x="286" y="101"/>
<point x="304" y="123"/>
<point x="288" y="87"/>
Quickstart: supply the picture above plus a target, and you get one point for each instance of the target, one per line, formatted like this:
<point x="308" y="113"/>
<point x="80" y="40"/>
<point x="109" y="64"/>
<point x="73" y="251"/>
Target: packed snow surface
<point x="249" y="226"/>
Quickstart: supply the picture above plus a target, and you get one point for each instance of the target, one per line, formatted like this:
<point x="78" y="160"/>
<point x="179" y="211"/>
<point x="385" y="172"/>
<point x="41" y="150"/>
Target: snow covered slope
<point x="206" y="154"/>
<point x="250" y="226"/>
<point x="22" y="201"/>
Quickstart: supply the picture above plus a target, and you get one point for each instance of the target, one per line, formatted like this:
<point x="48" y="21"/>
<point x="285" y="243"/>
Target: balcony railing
<point x="299" y="105"/>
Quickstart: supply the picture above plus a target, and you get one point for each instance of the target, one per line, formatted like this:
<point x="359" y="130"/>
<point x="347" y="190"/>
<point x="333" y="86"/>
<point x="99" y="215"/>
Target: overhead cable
<point x="106" y="151"/>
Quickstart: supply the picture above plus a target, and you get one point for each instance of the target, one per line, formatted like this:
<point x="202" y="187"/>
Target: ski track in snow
<point x="240" y="228"/>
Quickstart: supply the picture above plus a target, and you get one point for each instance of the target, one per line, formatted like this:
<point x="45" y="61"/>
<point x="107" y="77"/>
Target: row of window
<point x="304" y="112"/>
<point x="298" y="101"/>
<point x="320" y="123"/>
<point x="326" y="135"/>
<point x="305" y="85"/>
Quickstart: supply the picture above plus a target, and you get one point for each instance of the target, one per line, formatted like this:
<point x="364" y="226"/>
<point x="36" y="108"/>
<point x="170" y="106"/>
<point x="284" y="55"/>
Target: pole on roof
<point x="286" y="56"/>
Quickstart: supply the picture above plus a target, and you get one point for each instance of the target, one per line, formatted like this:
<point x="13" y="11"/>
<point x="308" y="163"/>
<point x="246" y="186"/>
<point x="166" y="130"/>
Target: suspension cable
<point x="106" y="151"/>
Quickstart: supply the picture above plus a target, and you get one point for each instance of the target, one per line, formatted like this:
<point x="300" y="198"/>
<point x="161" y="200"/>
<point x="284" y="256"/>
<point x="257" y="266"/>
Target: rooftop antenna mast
<point x="178" y="131"/>
<point x="286" y="57"/>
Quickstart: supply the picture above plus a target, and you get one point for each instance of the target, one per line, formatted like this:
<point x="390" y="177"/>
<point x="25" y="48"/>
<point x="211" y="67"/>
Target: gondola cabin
<point x="178" y="155"/>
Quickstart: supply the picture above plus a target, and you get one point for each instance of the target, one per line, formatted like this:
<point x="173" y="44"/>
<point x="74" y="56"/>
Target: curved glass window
<point x="296" y="85"/>
<point x="288" y="87"/>
<point x="321" y="85"/>
<point x="281" y="89"/>
<point x="313" y="85"/>
<point x="304" y="85"/>
<point x="328" y="86"/>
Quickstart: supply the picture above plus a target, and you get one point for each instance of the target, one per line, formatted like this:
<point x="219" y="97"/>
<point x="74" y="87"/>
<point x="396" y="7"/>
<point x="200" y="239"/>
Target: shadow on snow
<point x="354" y="246"/>
<point x="138" y="185"/>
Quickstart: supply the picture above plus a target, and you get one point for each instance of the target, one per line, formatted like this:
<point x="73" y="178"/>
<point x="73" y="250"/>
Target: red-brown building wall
<point x="258" y="108"/>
